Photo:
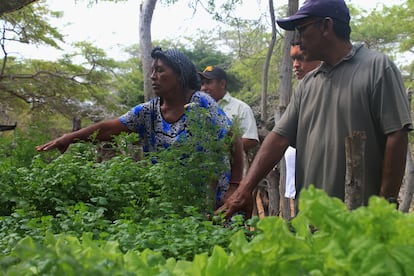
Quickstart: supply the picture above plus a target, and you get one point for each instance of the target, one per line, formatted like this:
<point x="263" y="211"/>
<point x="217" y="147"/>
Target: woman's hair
<point x="180" y="64"/>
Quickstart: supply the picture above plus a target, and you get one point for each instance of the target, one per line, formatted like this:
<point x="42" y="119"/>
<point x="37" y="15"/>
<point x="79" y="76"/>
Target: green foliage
<point x="324" y="239"/>
<point x="240" y="51"/>
<point x="30" y="25"/>
<point x="121" y="182"/>
<point x="204" y="51"/>
<point x="405" y="14"/>
<point x="16" y="151"/>
<point x="378" y="30"/>
<point x="374" y="29"/>
<point x="196" y="162"/>
<point x="179" y="236"/>
<point x="69" y="215"/>
<point x="249" y="56"/>
<point x="201" y="49"/>
<point x="95" y="87"/>
<point x="40" y="88"/>
<point x="160" y="202"/>
<point x="129" y="79"/>
<point x="67" y="87"/>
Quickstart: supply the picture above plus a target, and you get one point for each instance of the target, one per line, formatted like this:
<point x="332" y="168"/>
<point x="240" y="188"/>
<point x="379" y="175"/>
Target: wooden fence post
<point x="355" y="167"/>
<point x="273" y="180"/>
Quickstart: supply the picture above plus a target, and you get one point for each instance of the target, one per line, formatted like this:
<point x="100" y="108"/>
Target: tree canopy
<point x="86" y="82"/>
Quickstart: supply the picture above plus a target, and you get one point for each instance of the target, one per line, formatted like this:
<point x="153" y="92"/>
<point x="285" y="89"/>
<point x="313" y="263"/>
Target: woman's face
<point x="164" y="80"/>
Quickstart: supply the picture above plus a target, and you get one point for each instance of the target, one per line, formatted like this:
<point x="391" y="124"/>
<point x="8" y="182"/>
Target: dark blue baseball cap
<point x="335" y="9"/>
<point x="213" y="72"/>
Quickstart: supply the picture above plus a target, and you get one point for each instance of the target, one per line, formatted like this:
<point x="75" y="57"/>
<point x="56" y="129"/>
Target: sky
<point x="114" y="26"/>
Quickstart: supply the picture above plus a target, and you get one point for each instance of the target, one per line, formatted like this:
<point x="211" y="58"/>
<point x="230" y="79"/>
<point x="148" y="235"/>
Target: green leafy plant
<point x="159" y="202"/>
<point x="372" y="240"/>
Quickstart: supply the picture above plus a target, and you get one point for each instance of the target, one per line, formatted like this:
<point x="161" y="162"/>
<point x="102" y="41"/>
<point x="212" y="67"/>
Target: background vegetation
<point x="69" y="214"/>
<point x="86" y="84"/>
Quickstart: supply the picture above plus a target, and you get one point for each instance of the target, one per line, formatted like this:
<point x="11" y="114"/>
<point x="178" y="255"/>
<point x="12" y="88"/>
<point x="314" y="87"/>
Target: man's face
<point x="310" y="38"/>
<point x="216" y="88"/>
<point x="300" y="66"/>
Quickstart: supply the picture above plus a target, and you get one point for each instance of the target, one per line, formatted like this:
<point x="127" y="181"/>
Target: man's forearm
<point x="394" y="163"/>
<point x="269" y="154"/>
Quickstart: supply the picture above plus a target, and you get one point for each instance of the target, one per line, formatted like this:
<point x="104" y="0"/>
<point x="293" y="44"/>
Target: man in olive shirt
<point x="300" y="68"/>
<point x="355" y="89"/>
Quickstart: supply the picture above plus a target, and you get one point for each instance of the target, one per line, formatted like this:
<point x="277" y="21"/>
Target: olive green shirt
<point x="363" y="92"/>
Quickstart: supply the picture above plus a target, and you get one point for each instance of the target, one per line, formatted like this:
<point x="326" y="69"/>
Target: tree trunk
<point x="407" y="189"/>
<point x="145" y="18"/>
<point x="285" y="92"/>
<point x="263" y="103"/>
<point x="355" y="167"/>
<point x="285" y="89"/>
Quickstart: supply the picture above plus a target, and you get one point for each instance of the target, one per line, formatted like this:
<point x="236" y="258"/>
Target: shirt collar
<point x="324" y="68"/>
<point x="226" y="99"/>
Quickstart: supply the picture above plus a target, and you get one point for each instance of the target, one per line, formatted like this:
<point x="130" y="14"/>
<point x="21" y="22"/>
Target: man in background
<point x="301" y="66"/>
<point x="214" y="82"/>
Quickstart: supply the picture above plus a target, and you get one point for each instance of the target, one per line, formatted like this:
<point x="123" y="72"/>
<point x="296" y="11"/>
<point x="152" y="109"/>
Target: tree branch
<point x="7" y="6"/>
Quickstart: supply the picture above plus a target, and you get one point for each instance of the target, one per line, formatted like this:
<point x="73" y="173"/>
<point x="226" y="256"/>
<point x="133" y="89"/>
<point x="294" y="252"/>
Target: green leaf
<point x="217" y="263"/>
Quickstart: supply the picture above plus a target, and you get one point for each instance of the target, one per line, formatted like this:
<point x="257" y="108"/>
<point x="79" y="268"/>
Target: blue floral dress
<point x="156" y="134"/>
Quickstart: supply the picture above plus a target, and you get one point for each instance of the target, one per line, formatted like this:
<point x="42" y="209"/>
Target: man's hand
<point x="237" y="202"/>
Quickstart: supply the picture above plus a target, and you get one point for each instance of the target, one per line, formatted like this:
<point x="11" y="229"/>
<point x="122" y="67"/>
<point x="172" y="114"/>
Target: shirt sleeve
<point x="390" y="101"/>
<point x="248" y="124"/>
<point x="135" y="118"/>
<point x="288" y="124"/>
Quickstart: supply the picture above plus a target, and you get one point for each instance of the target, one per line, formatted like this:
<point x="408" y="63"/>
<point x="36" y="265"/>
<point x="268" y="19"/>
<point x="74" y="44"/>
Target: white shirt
<point x="241" y="112"/>
<point x="290" y="189"/>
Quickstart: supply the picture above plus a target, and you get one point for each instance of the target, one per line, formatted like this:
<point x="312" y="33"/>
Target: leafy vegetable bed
<point x="373" y="240"/>
<point x="69" y="215"/>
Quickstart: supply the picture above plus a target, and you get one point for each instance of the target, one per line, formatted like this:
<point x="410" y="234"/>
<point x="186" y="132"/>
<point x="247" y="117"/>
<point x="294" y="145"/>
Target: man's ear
<point x="223" y="83"/>
<point x="327" y="25"/>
